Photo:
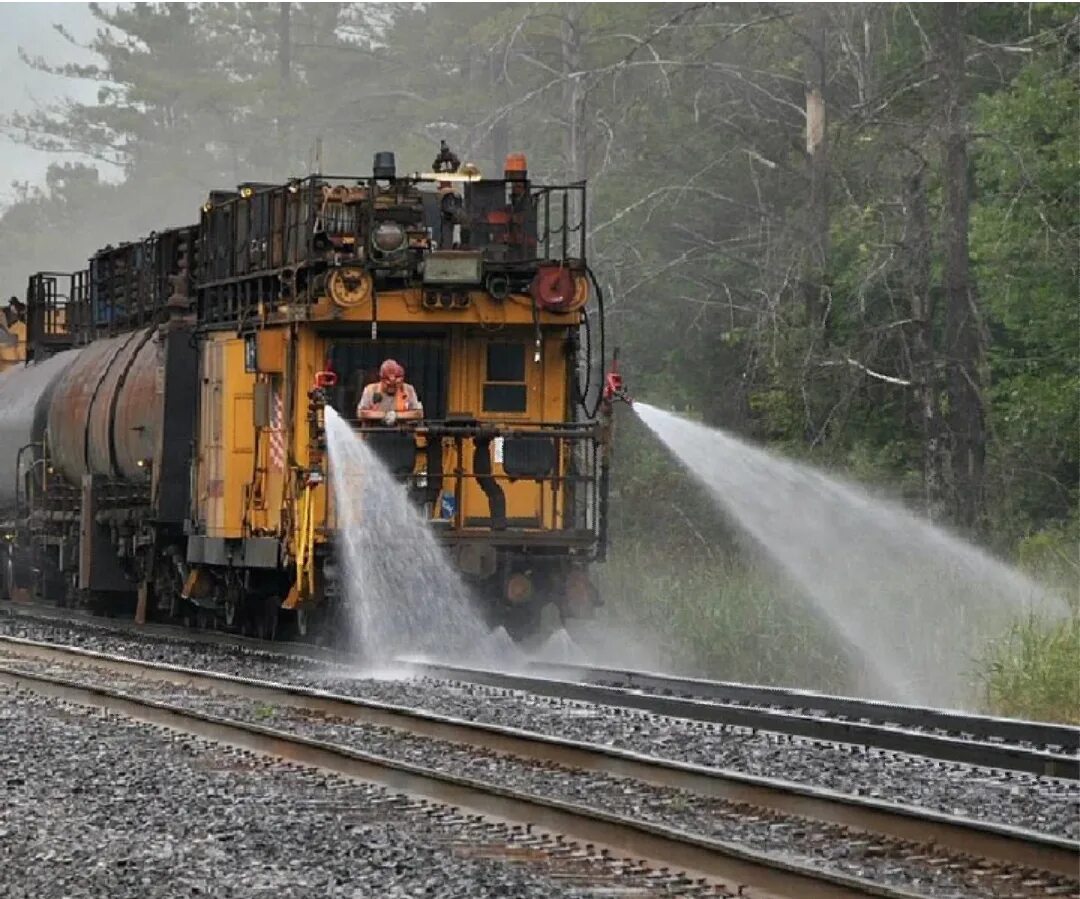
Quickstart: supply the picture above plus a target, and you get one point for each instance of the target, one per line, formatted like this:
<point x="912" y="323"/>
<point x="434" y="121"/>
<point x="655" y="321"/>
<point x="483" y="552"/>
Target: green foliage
<point x="1024" y="238"/>
<point x="688" y="120"/>
<point x="1053" y="556"/>
<point x="1032" y="672"/>
<point x="721" y="616"/>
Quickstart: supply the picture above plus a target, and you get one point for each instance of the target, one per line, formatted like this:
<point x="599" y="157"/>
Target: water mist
<point x="914" y="600"/>
<point x="402" y="594"/>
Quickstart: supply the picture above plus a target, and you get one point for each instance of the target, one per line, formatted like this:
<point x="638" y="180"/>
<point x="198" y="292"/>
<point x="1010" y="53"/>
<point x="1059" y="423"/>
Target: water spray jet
<point x="913" y="600"/>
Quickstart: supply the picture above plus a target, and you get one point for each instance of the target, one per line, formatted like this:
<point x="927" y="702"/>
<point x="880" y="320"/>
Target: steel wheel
<point x="268" y="617"/>
<point x="303" y="621"/>
<point x="231" y="608"/>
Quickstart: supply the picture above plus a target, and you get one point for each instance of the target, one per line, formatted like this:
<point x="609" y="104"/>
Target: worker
<point x="14" y="313"/>
<point x="389" y="400"/>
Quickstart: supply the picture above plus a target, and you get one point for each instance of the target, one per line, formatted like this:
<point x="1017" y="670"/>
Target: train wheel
<point x="268" y="618"/>
<point x="231" y="609"/>
<point x="7" y="575"/>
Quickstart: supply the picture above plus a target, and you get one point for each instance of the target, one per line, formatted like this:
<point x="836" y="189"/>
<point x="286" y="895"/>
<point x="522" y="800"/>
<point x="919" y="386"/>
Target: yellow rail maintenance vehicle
<point x="177" y="449"/>
<point x="478" y="288"/>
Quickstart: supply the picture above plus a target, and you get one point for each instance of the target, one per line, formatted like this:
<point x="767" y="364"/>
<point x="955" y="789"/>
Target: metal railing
<point x="561" y="459"/>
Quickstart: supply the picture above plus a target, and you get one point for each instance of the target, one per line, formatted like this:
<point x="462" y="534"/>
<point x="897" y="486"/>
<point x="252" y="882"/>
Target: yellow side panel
<point x="226" y="436"/>
<point x="243" y="423"/>
<point x="209" y="494"/>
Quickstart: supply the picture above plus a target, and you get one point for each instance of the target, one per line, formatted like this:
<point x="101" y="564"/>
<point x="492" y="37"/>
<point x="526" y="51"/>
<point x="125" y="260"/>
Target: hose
<point x="583" y="392"/>
<point x="310" y="539"/>
<point x="603" y="348"/>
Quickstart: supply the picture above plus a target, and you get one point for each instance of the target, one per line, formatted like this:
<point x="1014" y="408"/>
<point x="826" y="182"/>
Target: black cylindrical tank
<point x="25" y="393"/>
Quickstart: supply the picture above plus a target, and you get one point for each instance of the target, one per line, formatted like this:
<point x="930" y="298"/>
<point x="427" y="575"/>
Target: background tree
<point x="847" y="231"/>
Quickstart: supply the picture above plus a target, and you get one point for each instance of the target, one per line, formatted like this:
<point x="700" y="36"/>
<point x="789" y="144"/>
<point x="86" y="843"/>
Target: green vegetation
<point x="725" y="617"/>
<point x="1034" y="671"/>
<point x="891" y="292"/>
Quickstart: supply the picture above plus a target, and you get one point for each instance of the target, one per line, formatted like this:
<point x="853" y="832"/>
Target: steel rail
<point x="279" y="650"/>
<point x="942" y="747"/>
<point x="990" y="727"/>
<point x="784" y="710"/>
<point x="994" y="841"/>
<point x="652" y="845"/>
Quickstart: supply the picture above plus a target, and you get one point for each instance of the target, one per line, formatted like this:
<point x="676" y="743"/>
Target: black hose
<point x="582" y="393"/>
<point x="603" y="349"/>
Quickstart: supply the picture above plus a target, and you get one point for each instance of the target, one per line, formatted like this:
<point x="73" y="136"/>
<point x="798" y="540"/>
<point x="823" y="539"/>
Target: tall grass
<point x="1033" y="671"/>
<point x="723" y="616"/>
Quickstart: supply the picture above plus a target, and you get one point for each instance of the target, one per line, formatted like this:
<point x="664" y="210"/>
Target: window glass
<point x="504" y="384"/>
<point x="506" y="362"/>
<point x="505" y="398"/>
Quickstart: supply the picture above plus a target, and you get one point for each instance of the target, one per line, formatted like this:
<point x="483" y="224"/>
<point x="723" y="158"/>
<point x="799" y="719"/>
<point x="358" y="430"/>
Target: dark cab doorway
<point x="357" y="365"/>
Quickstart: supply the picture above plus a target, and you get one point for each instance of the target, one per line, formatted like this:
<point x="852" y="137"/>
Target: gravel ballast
<point x="98" y="806"/>
<point x="1046" y="805"/>
<point x="918" y="868"/>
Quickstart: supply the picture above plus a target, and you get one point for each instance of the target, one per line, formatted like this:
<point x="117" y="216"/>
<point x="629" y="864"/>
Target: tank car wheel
<point x="231" y="610"/>
<point x="7" y="575"/>
<point x="266" y="625"/>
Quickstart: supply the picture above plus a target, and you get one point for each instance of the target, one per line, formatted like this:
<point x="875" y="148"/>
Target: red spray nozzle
<point x="614" y="388"/>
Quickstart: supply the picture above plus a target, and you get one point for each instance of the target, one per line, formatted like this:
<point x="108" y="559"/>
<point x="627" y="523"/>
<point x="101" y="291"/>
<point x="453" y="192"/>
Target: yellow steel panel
<point x="407" y="306"/>
<point x="270" y="350"/>
<point x="238" y="428"/>
<point x="243" y="423"/>
<point x="209" y="479"/>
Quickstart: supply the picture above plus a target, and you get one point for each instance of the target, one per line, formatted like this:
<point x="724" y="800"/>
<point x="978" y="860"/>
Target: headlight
<point x="388" y="237"/>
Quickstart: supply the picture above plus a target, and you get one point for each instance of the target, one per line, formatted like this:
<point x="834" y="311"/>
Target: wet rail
<point x="1028" y="863"/>
<point x="1006" y="744"/>
<point x="1033" y="747"/>
<point x="985" y="727"/>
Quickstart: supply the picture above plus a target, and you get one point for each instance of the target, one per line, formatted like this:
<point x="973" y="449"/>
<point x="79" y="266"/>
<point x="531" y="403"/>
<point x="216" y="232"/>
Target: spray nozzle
<point x="614" y="387"/>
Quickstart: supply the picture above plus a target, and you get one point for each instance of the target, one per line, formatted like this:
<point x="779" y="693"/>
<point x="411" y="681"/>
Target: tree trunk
<point x="963" y="345"/>
<point x="284" y="43"/>
<point x="284" y="131"/>
<point x="924" y="368"/>
<point x="815" y="289"/>
<point x="500" y="131"/>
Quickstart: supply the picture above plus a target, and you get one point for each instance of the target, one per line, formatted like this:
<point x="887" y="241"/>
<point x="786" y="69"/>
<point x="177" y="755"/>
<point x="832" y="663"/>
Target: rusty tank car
<point x="95" y="429"/>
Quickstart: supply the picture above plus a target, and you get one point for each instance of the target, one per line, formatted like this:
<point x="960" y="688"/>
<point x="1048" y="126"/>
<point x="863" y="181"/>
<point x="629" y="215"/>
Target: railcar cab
<point x="478" y="287"/>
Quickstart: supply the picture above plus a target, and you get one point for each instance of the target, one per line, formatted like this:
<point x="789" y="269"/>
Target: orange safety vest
<point x="401" y="398"/>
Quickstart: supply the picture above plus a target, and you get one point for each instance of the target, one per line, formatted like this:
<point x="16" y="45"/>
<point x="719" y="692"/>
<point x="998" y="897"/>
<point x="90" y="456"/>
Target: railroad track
<point x="1002" y="744"/>
<point x="1043" y="749"/>
<point x="700" y="828"/>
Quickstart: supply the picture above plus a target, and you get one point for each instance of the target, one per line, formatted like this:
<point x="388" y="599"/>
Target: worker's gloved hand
<point x="390" y="418"/>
